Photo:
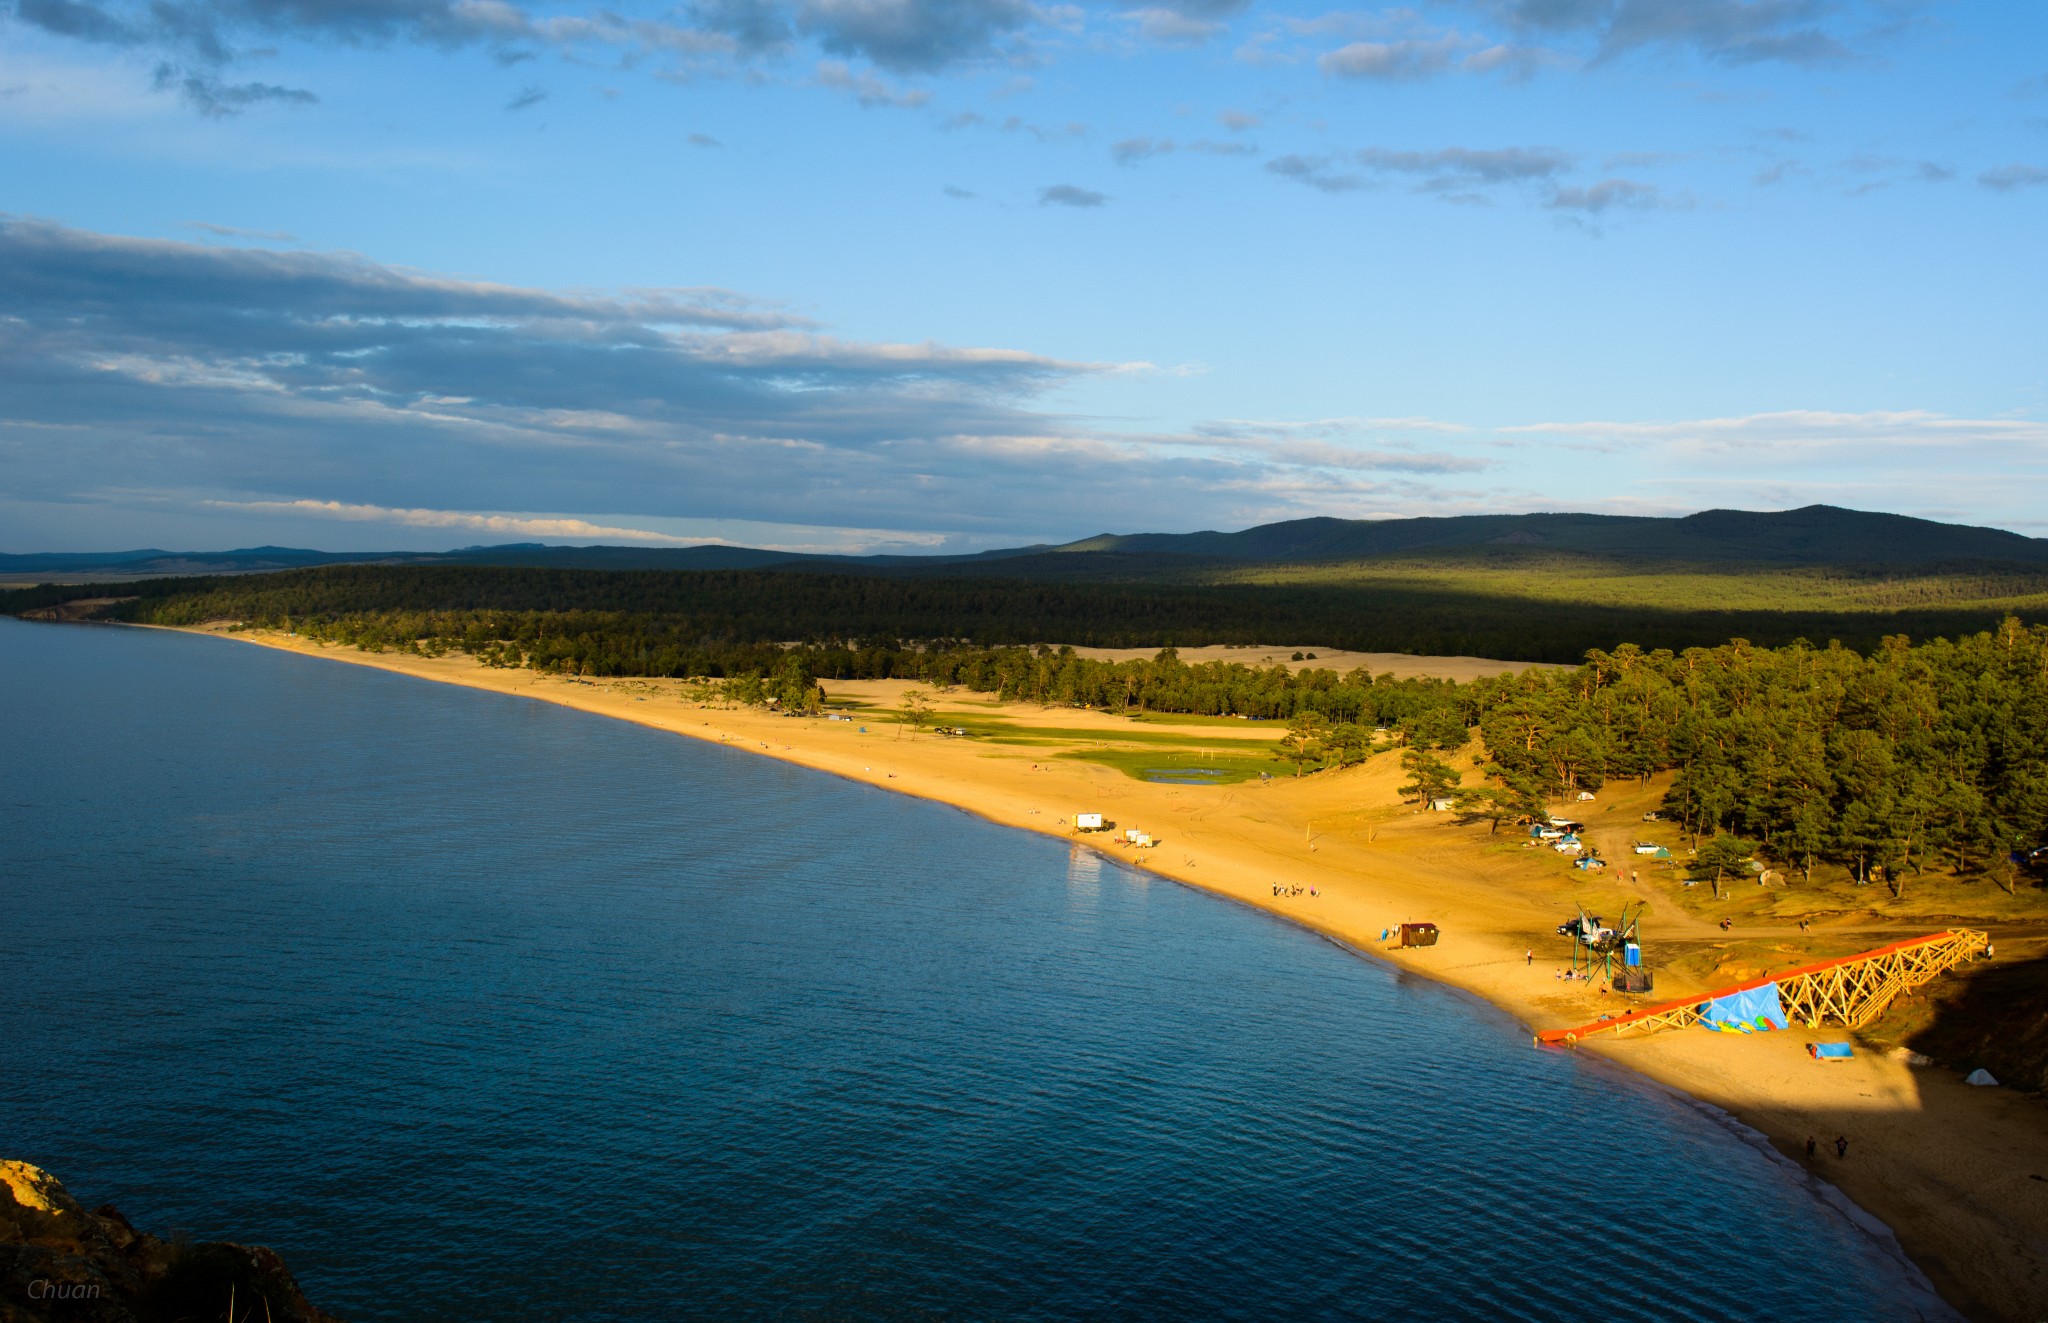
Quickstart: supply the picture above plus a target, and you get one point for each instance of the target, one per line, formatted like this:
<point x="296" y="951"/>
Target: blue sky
<point x="904" y="274"/>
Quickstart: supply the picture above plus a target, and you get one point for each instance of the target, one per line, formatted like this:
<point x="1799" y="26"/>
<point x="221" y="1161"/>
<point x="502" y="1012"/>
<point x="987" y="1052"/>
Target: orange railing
<point x="1849" y="990"/>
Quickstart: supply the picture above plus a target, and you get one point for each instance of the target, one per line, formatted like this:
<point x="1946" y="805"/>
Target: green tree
<point x="1349" y="742"/>
<point x="1518" y="795"/>
<point x="1722" y="855"/>
<point x="1303" y="742"/>
<point x="1492" y="804"/>
<point x="793" y="688"/>
<point x="1429" y="777"/>
<point x="917" y="709"/>
<point x="1441" y="727"/>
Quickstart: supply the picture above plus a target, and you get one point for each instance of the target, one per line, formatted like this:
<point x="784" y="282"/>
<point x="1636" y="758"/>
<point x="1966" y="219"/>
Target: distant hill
<point x="1816" y="535"/>
<point x="255" y="560"/>
<point x="152" y="563"/>
<point x="1813" y="535"/>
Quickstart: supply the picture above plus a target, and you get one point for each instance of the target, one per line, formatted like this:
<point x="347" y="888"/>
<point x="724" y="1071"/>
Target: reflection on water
<point x="478" y="1008"/>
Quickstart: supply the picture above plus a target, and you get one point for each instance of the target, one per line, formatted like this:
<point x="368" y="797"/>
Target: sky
<point x="919" y="275"/>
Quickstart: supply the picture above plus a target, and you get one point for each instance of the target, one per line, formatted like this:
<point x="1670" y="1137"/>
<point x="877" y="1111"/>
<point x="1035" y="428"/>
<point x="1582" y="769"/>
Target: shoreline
<point x="1944" y="1167"/>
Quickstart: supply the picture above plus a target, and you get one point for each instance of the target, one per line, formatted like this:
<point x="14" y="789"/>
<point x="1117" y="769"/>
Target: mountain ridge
<point x="1814" y="534"/>
<point x="1811" y="535"/>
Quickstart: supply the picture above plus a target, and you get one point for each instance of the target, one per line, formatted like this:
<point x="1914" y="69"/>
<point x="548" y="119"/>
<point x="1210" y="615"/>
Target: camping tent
<point x="1746" y="1012"/>
<point x="1981" y="1077"/>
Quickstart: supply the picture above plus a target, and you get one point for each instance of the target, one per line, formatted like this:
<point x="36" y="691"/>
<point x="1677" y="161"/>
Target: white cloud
<point x="532" y="526"/>
<point x="1169" y="27"/>
<point x="868" y="90"/>
<point x="1802" y="429"/>
<point x="1394" y="60"/>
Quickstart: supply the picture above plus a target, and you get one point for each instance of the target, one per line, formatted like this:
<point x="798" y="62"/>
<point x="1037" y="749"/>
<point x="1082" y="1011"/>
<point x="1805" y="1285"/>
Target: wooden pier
<point x="1849" y="991"/>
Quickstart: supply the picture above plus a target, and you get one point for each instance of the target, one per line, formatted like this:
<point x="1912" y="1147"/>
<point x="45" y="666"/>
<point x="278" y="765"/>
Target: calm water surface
<point x="481" y="1009"/>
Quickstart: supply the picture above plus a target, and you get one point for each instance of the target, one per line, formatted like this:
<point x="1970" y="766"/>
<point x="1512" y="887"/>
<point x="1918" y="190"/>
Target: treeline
<point x="1882" y="763"/>
<point x="679" y="610"/>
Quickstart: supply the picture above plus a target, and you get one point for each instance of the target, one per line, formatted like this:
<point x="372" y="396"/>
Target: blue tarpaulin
<point x="1831" y="1051"/>
<point x="1748" y="1012"/>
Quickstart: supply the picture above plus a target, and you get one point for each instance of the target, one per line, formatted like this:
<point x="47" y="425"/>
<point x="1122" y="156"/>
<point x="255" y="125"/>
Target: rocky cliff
<point x="60" y="1262"/>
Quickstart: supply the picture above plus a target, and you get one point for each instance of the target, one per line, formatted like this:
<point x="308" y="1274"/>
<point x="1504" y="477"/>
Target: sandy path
<point x="1950" y="1169"/>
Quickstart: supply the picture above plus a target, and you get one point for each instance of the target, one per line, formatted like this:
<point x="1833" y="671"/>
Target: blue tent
<point x="1748" y="1012"/>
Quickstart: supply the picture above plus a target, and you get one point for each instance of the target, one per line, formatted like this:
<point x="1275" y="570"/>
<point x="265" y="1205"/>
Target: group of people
<point x="1841" y="1147"/>
<point x="1295" y="889"/>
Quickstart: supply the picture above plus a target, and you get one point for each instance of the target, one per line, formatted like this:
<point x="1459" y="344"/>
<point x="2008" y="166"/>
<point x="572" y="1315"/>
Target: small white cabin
<point x="1087" y="822"/>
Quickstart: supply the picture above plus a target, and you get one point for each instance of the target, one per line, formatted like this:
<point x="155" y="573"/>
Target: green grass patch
<point x="1604" y="581"/>
<point x="1187" y="767"/>
<point x="1004" y="733"/>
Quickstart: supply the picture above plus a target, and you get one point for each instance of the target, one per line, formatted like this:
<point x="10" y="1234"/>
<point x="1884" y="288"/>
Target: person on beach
<point x="1841" y="1146"/>
<point x="1529" y="956"/>
<point x="1726" y="924"/>
<point x="1812" y="1147"/>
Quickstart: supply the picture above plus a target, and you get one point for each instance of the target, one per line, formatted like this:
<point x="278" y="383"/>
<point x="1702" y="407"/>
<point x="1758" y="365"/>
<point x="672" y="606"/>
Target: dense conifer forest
<point x="651" y="621"/>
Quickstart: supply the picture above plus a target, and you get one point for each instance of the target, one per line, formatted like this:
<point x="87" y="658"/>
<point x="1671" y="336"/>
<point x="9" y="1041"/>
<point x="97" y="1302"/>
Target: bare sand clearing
<point x="1956" y="1172"/>
<point x="1402" y="664"/>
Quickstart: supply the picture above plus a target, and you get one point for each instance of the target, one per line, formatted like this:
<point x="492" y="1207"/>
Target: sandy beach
<point x="1960" y="1174"/>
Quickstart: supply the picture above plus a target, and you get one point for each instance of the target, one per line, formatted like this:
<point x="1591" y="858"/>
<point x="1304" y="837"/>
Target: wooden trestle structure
<point x="1849" y="991"/>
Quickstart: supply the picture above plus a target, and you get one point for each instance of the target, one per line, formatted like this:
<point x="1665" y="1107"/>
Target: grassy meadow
<point x="1657" y="585"/>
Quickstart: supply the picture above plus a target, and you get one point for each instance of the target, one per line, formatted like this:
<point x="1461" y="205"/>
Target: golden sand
<point x="1956" y="1172"/>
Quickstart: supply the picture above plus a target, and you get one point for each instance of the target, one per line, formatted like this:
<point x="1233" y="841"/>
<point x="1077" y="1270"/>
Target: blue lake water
<point x="478" y="1008"/>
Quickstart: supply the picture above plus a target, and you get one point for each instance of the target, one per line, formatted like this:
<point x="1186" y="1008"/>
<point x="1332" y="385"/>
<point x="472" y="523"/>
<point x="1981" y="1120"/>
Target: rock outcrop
<point x="60" y="1262"/>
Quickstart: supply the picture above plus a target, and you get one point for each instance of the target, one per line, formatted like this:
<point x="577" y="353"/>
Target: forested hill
<point x="1814" y="535"/>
